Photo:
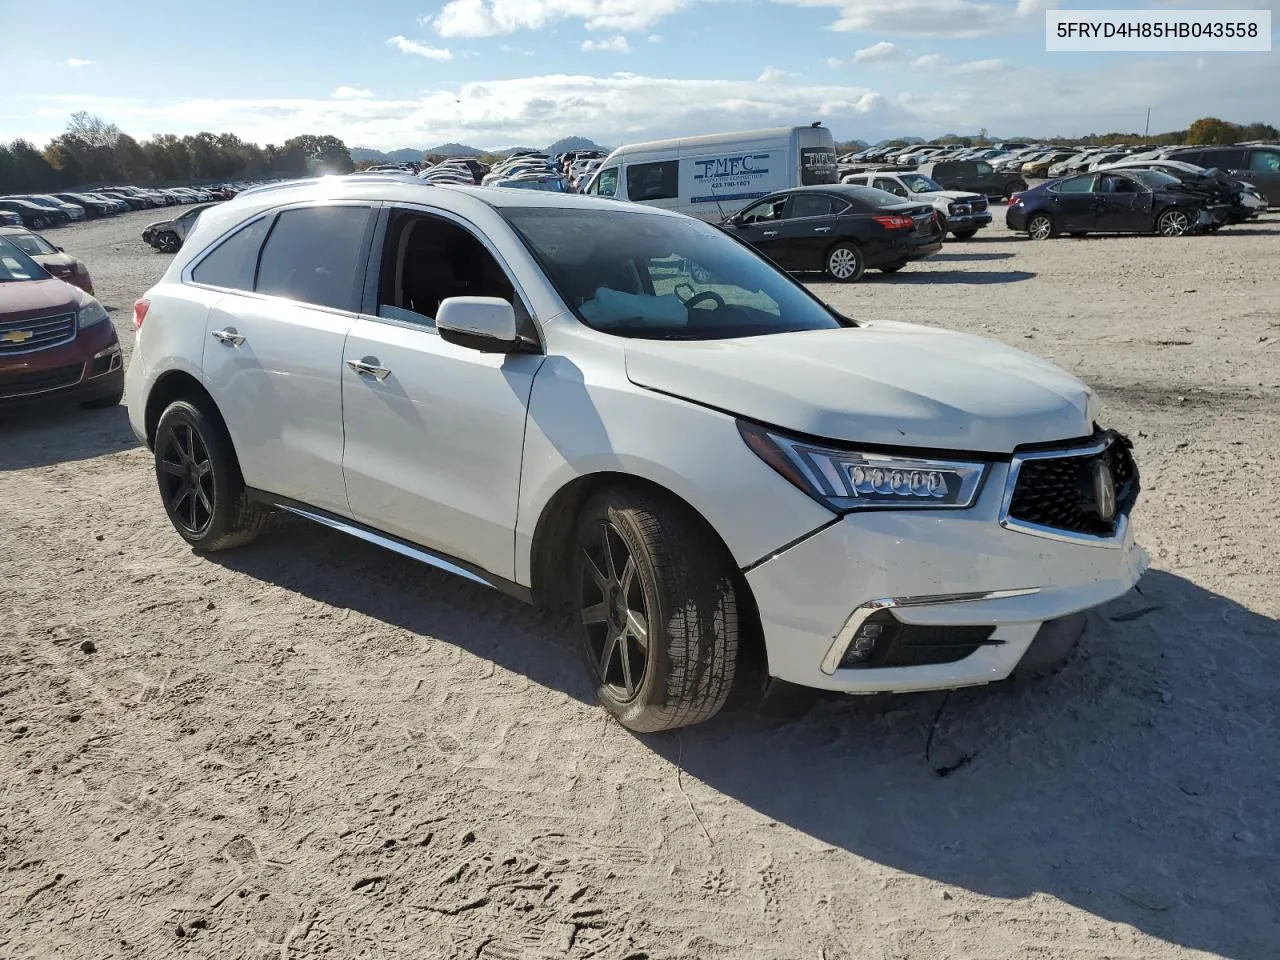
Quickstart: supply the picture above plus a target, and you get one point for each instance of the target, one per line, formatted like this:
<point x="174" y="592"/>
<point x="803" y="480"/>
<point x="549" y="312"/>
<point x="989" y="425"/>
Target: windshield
<point x="30" y="244"/>
<point x="16" y="265"/>
<point x="42" y="201"/>
<point x="1153" y="178"/>
<point x="919" y="183"/>
<point x="663" y="278"/>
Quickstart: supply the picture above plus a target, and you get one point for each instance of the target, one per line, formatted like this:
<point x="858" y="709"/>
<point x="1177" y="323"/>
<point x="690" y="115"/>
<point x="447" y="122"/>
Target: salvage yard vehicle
<point x="974" y="176"/>
<point x="841" y="230"/>
<point x="33" y="215"/>
<point x="167" y="236"/>
<point x="1119" y="201"/>
<point x="713" y="176"/>
<point x="1244" y="200"/>
<point x="626" y="413"/>
<point x="1258" y="164"/>
<point x="57" y="343"/>
<point x="960" y="213"/>
<point x="50" y="256"/>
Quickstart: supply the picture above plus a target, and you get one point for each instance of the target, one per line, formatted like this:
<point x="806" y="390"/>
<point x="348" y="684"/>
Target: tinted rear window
<point x="233" y="262"/>
<point x="869" y="198"/>
<point x="316" y="255"/>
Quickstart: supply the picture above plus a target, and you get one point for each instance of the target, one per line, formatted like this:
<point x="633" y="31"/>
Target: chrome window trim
<point x="1113" y="542"/>
<point x="840" y="646"/>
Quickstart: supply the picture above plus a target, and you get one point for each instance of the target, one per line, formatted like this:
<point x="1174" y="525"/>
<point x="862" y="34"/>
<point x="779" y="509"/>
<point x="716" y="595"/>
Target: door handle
<point x="228" y="336"/>
<point x="369" y="367"/>
<point x="821" y="229"/>
<point x="771" y="233"/>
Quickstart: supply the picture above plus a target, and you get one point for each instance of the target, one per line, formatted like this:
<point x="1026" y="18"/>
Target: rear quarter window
<point x="233" y="263"/>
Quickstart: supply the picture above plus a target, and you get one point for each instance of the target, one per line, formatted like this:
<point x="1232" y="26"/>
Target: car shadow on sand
<point x="960" y="277"/>
<point x="37" y="437"/>
<point x="969" y="257"/>
<point x="1138" y="784"/>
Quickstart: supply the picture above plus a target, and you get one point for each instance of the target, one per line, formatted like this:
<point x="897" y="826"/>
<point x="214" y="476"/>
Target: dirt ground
<point x="313" y="748"/>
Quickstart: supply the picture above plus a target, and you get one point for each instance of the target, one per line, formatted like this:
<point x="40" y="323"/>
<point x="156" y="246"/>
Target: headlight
<point x="91" y="313"/>
<point x="847" y="480"/>
<point x="81" y="268"/>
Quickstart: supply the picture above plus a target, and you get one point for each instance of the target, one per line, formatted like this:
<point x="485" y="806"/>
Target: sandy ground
<point x="311" y="747"/>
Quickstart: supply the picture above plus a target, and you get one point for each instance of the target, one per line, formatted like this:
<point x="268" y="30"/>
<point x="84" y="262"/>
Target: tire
<point x="965" y="234"/>
<point x="105" y="403"/>
<point x="168" y="242"/>
<point x="1174" y="222"/>
<point x="1041" y="227"/>
<point x="39" y="223"/>
<point x="845" y="263"/>
<point x="200" y="482"/>
<point x="660" y="601"/>
<point x="892" y="268"/>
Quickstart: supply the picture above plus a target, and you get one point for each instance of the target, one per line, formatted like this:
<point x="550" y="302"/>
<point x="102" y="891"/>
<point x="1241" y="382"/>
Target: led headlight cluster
<point x="845" y="480"/>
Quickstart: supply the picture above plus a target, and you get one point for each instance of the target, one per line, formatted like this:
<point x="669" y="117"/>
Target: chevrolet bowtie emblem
<point x="16" y="336"/>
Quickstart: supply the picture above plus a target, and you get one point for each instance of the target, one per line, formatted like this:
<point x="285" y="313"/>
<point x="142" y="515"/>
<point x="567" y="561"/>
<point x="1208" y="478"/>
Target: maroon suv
<point x="57" y="343"/>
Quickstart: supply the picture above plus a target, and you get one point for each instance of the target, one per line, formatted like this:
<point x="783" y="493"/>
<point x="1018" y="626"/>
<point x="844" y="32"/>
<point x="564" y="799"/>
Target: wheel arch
<point x="171" y="386"/>
<point x="552" y="542"/>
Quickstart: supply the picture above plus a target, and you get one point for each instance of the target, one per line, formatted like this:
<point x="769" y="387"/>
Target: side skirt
<point x="441" y="561"/>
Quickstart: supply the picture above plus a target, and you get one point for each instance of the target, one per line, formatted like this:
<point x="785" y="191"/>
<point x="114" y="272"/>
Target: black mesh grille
<point x="1061" y="492"/>
<point x="21" y="384"/>
<point x="905" y="645"/>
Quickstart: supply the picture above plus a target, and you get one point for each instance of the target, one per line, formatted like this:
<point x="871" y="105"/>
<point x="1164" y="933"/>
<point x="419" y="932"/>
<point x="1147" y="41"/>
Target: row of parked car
<point x="523" y="169"/>
<point x="44" y="210"/>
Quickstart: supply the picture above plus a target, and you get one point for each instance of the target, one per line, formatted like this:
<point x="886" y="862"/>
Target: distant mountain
<point x="454" y="150"/>
<point x="405" y="155"/>
<point x="566" y="144"/>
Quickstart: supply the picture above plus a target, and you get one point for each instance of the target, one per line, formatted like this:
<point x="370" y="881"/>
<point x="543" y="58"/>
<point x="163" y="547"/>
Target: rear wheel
<point x="845" y="263"/>
<point x="200" y="482"/>
<point x="1041" y="227"/>
<point x="657" y="611"/>
<point x="39" y="223"/>
<point x="1174" y="222"/>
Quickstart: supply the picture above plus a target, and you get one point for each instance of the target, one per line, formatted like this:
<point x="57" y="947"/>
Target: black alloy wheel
<point x="614" y="613"/>
<point x="185" y="472"/>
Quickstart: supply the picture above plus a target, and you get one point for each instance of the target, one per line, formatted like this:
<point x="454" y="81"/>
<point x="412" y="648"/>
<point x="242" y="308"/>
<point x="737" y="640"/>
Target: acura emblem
<point x="1104" y="491"/>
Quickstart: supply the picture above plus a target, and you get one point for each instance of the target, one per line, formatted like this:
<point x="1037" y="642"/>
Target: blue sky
<point x="496" y="73"/>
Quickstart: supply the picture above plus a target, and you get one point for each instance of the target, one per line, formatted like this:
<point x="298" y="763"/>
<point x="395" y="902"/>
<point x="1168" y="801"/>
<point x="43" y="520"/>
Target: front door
<point x="760" y="226"/>
<point x="434" y="431"/>
<point x="273" y="346"/>
<point x="1123" y="205"/>
<point x="808" y="232"/>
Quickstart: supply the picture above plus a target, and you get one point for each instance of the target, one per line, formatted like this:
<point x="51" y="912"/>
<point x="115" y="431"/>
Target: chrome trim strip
<point x="840" y="646"/>
<point x="1113" y="542"/>
<point x="403" y="549"/>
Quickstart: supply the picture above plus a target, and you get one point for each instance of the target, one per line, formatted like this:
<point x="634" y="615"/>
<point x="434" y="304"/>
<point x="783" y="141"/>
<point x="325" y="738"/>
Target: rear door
<point x="273" y="350"/>
<point x="1075" y="204"/>
<point x="1263" y="172"/>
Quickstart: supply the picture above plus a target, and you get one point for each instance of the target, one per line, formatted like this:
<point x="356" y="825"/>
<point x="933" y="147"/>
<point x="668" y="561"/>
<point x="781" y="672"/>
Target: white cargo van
<point x="713" y="176"/>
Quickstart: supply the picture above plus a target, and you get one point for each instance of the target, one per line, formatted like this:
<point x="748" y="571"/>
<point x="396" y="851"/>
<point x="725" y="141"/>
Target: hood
<point x="158" y="224"/>
<point x="954" y="195"/>
<point x="890" y="384"/>
<point x="56" y="263"/>
<point x="34" y="298"/>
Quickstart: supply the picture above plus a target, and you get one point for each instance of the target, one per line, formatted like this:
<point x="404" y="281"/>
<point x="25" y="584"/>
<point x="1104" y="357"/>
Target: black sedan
<point x="1115" y="201"/>
<point x="841" y="230"/>
<point x="34" y="216"/>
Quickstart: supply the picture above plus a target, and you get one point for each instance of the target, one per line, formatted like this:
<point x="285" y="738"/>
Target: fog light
<point x="863" y="645"/>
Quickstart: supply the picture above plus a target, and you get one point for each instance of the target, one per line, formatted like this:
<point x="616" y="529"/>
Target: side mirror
<point x="59" y="249"/>
<point x="487" y="324"/>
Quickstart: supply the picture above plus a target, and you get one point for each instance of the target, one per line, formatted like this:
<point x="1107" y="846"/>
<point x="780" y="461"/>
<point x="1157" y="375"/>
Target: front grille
<point x="1061" y="492"/>
<point x="23" y="336"/>
<point x="979" y="206"/>
<point x="24" y="384"/>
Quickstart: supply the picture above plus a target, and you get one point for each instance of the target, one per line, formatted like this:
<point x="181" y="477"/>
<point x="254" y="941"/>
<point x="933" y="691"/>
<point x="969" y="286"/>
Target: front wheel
<point x="656" y="609"/>
<point x="39" y="223"/>
<point x="1173" y="223"/>
<point x="1041" y="227"/>
<point x="168" y="242"/>
<point x="845" y="263"/>
<point x="965" y="234"/>
<point x="200" y="482"/>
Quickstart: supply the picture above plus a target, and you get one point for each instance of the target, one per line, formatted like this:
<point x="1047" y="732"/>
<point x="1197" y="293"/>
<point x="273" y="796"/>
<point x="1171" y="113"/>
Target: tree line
<point x="93" y="151"/>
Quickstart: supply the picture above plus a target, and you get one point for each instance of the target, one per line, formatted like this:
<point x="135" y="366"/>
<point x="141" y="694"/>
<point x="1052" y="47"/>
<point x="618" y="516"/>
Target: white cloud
<point x="877" y="51"/>
<point x="655" y="38"/>
<point x="981" y="66"/>
<point x="74" y="62"/>
<point x="773" y="75"/>
<point x="616" y="44"/>
<point x="930" y="61"/>
<point x="352" y="93"/>
<point x="487" y="18"/>
<point x="935" y="18"/>
<point x="405" y="45"/>
<point x="521" y="51"/>
<point x="834" y="63"/>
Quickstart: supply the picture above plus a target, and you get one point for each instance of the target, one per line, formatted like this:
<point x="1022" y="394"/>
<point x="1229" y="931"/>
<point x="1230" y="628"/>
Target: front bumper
<point x="88" y="368"/>
<point x="929" y="569"/>
<point x="968" y="221"/>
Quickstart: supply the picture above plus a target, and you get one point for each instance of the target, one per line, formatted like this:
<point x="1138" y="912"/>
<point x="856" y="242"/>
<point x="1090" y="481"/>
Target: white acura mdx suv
<point x="629" y="414"/>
